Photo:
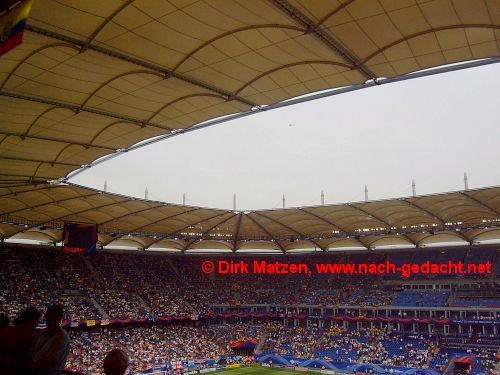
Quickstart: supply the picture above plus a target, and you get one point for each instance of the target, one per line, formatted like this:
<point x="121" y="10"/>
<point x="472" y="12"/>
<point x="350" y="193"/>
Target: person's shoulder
<point x="62" y="334"/>
<point x="65" y="333"/>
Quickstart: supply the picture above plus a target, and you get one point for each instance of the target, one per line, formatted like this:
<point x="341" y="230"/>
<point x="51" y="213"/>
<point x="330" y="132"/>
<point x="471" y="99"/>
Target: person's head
<point x="28" y="318"/>
<point x="116" y="362"/>
<point x="53" y="316"/>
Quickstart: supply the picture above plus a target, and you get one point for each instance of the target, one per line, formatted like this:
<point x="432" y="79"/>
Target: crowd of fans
<point x="372" y="345"/>
<point x="370" y="297"/>
<point x="154" y="345"/>
<point x="122" y="305"/>
<point x="299" y="342"/>
<point x="134" y="286"/>
<point x="119" y="286"/>
<point x="483" y="360"/>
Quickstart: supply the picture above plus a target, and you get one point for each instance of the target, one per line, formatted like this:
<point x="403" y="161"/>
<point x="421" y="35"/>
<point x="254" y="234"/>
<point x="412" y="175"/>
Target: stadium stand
<point x="169" y="312"/>
<point x="85" y="81"/>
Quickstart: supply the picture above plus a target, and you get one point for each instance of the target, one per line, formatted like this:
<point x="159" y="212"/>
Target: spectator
<point x="15" y="341"/>
<point x="116" y="362"/>
<point x="51" y="347"/>
<point x="4" y="329"/>
<point x="4" y="322"/>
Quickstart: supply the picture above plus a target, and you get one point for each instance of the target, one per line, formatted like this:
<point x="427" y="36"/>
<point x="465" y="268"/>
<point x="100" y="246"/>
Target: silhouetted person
<point x="16" y="341"/>
<point x="115" y="362"/>
<point x="4" y="328"/>
<point x="4" y="322"/>
<point x="51" y="346"/>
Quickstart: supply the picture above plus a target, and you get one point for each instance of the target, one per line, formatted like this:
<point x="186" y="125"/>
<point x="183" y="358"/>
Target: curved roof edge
<point x="38" y="212"/>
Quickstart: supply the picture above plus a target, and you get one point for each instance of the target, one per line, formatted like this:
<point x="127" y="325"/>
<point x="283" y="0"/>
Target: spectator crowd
<point x="136" y="286"/>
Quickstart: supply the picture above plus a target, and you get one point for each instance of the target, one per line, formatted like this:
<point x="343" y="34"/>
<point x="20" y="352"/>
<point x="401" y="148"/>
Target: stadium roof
<point x="39" y="212"/>
<point x="93" y="79"/>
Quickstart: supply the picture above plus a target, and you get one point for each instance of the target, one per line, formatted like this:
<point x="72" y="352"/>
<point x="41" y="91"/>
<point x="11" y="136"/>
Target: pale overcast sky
<point x="432" y="129"/>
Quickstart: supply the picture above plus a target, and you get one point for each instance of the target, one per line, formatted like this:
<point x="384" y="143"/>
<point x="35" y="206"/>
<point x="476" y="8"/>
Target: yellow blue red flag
<point x="13" y="16"/>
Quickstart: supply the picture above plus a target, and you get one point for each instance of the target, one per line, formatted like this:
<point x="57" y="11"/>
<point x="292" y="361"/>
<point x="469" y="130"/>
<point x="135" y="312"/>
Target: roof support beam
<point x="368" y="245"/>
<point x="17" y="199"/>
<point x="33" y="188"/>
<point x="13" y="184"/>
<point x="129" y="214"/>
<point x="40" y="161"/>
<point x="382" y="221"/>
<point x="237" y="231"/>
<point x="464" y="236"/>
<point x="233" y="32"/>
<point x="336" y="10"/>
<point x="290" y="228"/>
<point x="87" y="210"/>
<point x="195" y="223"/>
<point x="160" y="220"/>
<point x="28" y="178"/>
<point x="335" y="225"/>
<point x="105" y="22"/>
<point x="133" y="60"/>
<point x="292" y="12"/>
<point x="50" y="139"/>
<point x="362" y="242"/>
<point x="472" y="238"/>
<point x="219" y="223"/>
<point x="188" y="245"/>
<point x="50" y="203"/>
<point x="67" y="215"/>
<point x="428" y="31"/>
<point x="371" y="215"/>
<point x="77" y="108"/>
<point x="32" y="53"/>
<point x="309" y="62"/>
<point x="268" y="233"/>
<point x="482" y="204"/>
<point x="324" y="220"/>
<point x="420" y="208"/>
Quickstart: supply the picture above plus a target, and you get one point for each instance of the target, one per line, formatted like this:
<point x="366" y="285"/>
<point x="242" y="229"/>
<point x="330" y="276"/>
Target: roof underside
<point x="93" y="78"/>
<point x="39" y="212"/>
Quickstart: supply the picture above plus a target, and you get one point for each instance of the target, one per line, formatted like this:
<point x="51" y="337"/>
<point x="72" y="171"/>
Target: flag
<point x="12" y="22"/>
<point x="80" y="238"/>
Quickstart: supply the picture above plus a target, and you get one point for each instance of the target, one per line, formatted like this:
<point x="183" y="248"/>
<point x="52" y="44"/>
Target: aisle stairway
<point x="99" y="308"/>
<point x="261" y="342"/>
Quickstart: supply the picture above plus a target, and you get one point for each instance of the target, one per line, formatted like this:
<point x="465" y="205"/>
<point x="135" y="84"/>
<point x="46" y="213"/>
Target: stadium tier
<point x="164" y="309"/>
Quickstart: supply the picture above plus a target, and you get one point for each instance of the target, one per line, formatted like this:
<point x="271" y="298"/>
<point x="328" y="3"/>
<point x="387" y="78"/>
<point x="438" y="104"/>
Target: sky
<point x="430" y="129"/>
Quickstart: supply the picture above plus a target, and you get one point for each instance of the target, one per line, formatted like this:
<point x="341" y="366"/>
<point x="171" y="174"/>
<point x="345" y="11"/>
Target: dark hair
<point x="4" y="321"/>
<point x="116" y="362"/>
<point x="58" y="309"/>
<point x="28" y="315"/>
